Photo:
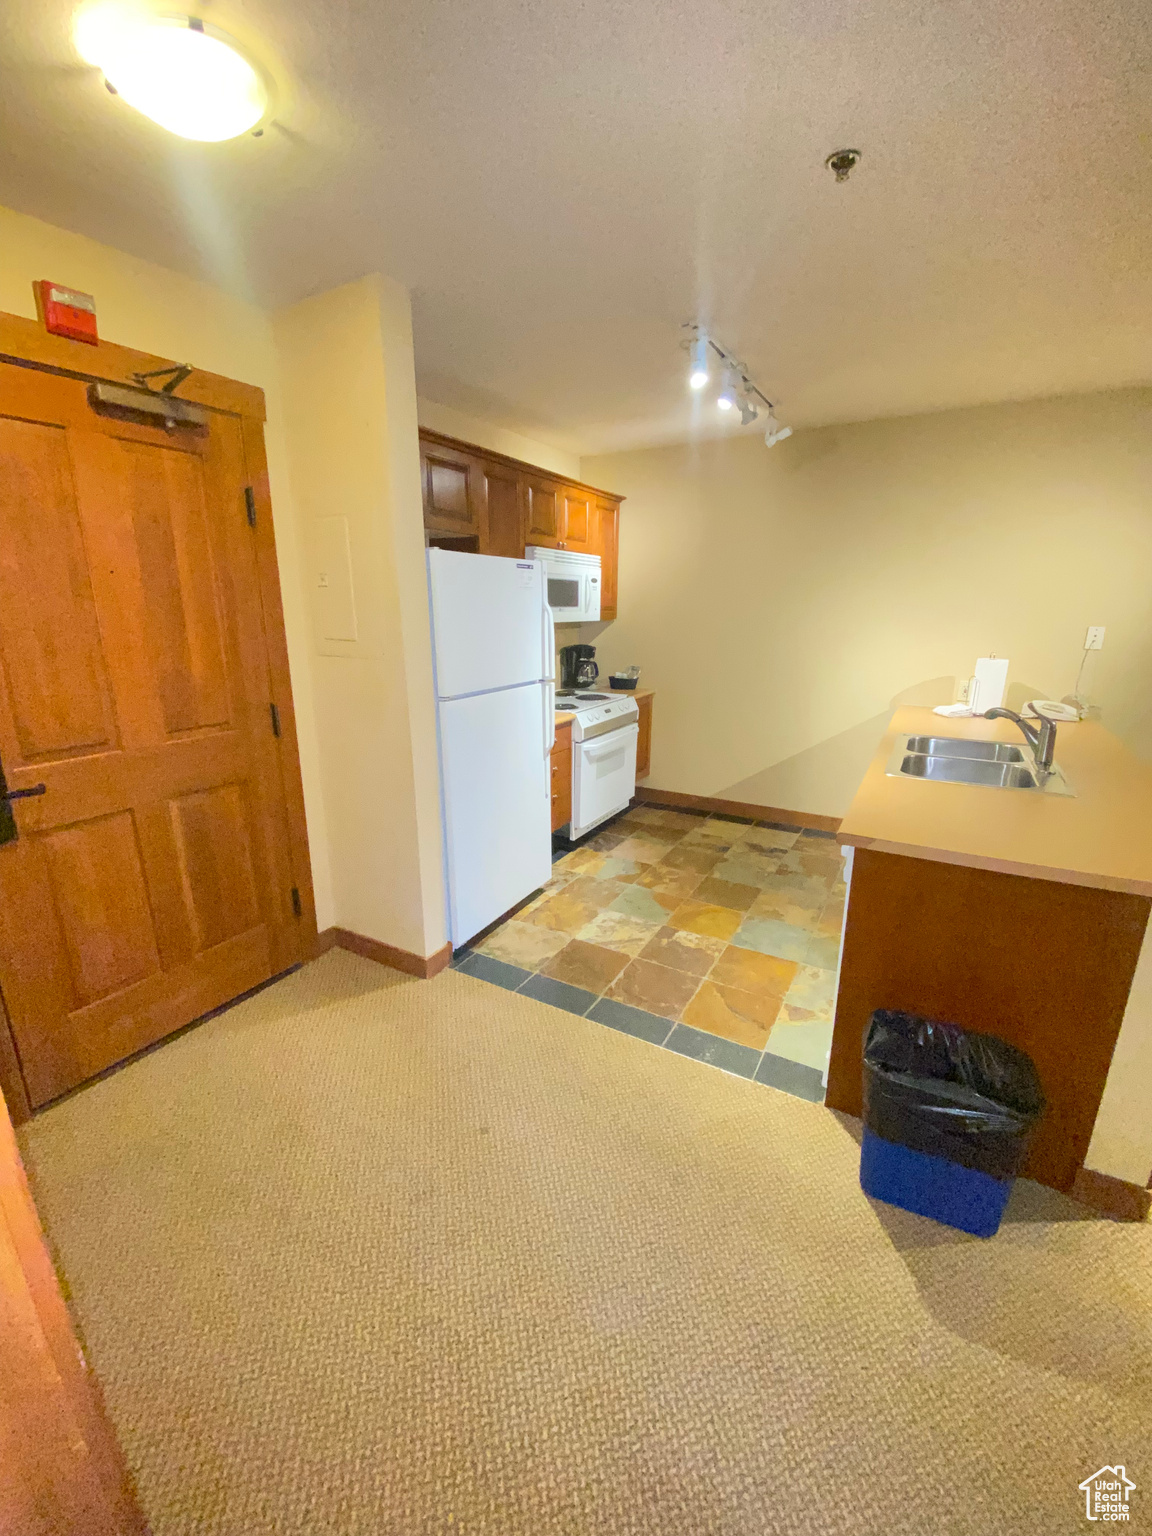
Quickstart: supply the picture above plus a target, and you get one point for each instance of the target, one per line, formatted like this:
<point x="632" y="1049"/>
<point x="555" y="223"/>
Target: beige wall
<point x="454" y="423"/>
<point x="782" y="600"/>
<point x="148" y="307"/>
<point x="350" y="404"/>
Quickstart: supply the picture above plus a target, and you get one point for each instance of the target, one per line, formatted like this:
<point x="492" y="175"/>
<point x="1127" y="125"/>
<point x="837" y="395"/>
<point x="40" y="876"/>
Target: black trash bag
<point x="951" y="1092"/>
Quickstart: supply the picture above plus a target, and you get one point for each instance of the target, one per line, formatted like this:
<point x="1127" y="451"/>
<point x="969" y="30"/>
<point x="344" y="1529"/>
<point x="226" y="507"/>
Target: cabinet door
<point x="505" y="512"/>
<point x="644" y="743"/>
<point x="562" y="778"/>
<point x="607" y="545"/>
<point x="453" y="491"/>
<point x="544" y="505"/>
<point x="579" y="511"/>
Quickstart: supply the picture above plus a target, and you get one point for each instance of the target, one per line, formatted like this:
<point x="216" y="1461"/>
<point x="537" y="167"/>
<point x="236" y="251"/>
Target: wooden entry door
<point x="152" y="879"/>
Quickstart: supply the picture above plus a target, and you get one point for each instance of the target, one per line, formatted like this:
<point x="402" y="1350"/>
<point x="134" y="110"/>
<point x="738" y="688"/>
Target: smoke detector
<point x="842" y="162"/>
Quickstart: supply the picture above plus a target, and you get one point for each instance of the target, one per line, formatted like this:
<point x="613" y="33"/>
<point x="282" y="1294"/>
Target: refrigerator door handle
<point x="549" y="727"/>
<point x="550" y="678"/>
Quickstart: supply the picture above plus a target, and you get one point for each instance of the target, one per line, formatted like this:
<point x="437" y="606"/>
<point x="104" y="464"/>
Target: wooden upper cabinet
<point x="544" y="505"/>
<point x="607" y="523"/>
<point x="493" y="505"/>
<point x="579" y="521"/>
<point x="453" y="492"/>
<point x="504" y="511"/>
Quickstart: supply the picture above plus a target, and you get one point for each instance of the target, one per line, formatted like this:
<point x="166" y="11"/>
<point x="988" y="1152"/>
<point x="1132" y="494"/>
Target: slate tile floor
<point x="710" y="936"/>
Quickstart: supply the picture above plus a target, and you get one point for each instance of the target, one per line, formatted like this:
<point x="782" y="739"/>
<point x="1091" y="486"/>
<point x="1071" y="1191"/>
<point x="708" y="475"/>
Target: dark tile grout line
<point x="798" y="1074"/>
<point x="764" y="1066"/>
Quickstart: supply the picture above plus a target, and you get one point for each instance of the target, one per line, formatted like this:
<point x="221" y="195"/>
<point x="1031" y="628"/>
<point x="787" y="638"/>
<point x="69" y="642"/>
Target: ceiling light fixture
<point x="726" y="399"/>
<point x="737" y="389"/>
<point x="699" y="374"/>
<point x="187" y="76"/>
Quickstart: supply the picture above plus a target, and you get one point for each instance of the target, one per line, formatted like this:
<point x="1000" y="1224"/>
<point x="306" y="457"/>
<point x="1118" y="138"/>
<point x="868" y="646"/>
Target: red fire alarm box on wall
<point x="66" y="312"/>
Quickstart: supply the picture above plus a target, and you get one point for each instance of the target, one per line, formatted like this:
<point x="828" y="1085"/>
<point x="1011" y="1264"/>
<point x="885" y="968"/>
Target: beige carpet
<point x="374" y="1255"/>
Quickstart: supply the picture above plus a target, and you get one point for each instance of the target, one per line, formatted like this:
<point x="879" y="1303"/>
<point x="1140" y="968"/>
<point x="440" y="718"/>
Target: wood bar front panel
<point x="1044" y="965"/>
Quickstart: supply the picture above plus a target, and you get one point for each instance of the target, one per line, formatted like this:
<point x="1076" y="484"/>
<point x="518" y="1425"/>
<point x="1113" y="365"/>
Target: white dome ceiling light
<point x="187" y="76"/>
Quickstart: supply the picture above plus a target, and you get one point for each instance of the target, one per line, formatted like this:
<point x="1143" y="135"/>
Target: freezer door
<point x="497" y="803"/>
<point x="487" y="622"/>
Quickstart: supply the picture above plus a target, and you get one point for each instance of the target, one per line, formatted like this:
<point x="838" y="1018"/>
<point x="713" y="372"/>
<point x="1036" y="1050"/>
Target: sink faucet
<point x="1042" y="741"/>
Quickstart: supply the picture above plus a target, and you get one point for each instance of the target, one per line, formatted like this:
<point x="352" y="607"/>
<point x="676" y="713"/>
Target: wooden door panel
<point x="96" y="875"/>
<point x="452" y="492"/>
<point x="214" y="852"/>
<point x="545" y="519"/>
<point x="54" y="672"/>
<point x="174" y="557"/>
<point x="578" y="522"/>
<point x="151" y="882"/>
<point x="607" y="540"/>
<point x="505" y="513"/>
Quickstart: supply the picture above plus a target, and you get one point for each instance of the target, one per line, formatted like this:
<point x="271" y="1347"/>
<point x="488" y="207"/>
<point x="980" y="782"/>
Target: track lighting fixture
<point x="698" y="376"/>
<point x="736" y="388"/>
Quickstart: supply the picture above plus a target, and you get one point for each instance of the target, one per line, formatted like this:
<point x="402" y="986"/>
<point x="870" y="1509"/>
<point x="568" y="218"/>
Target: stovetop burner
<point x="582" y="698"/>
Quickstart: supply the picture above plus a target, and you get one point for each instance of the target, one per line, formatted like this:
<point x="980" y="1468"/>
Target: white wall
<point x="350" y="399"/>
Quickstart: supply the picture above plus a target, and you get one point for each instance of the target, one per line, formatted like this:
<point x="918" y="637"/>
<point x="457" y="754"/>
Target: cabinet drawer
<point x="561" y="784"/>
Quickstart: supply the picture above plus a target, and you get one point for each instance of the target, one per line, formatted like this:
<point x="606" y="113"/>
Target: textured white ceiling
<point x="562" y="184"/>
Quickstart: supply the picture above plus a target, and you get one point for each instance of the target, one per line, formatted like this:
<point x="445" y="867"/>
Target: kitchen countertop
<point x="1100" y="837"/>
<point x="564" y="716"/>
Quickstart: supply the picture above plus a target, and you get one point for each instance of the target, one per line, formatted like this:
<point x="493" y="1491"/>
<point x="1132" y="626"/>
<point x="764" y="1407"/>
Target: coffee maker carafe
<point x="578" y="667"/>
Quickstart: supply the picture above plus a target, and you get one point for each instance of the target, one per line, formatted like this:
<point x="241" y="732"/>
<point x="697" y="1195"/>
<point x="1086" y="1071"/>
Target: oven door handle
<point x="611" y="741"/>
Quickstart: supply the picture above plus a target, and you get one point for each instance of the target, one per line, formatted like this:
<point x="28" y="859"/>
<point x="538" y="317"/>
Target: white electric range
<point x="604" y="737"/>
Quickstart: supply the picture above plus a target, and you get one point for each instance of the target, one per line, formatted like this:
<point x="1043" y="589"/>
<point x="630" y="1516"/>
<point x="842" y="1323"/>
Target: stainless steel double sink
<point x="989" y="764"/>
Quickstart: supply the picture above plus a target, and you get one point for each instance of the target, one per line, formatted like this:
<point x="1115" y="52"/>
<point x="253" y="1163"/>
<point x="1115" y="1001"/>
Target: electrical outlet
<point x="1094" y="639"/>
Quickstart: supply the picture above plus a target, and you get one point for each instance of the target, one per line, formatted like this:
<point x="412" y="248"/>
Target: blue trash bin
<point x="948" y="1115"/>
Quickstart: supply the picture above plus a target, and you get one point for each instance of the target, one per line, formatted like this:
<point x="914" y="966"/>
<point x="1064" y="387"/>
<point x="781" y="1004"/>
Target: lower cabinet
<point x="562" y="776"/>
<point x="644" y="740"/>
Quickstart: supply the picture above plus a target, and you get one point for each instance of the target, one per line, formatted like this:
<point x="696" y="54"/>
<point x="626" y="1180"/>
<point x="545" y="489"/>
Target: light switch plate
<point x="1094" y="639"/>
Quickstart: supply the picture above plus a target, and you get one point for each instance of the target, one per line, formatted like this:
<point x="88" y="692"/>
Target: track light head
<point x="698" y="371"/>
<point x="726" y="399"/>
<point x="748" y="410"/>
<point x="775" y="433"/>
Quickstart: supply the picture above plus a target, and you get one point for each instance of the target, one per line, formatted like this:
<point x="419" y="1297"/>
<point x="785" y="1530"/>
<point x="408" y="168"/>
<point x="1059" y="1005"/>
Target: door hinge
<point x="296" y="906"/>
<point x="250" y="505"/>
<point x="275" y="713"/>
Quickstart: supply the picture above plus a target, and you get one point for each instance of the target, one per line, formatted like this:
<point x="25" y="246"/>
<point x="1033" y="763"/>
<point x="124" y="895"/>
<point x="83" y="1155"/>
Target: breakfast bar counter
<point x="1011" y="911"/>
<point x="1101" y="835"/>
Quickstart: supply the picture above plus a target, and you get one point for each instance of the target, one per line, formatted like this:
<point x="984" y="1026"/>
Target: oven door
<point x="603" y="777"/>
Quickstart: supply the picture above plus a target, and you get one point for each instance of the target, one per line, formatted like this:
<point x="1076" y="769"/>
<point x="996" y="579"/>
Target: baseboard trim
<point x="676" y="801"/>
<point x="424" y="966"/>
<point x="1115" y="1197"/>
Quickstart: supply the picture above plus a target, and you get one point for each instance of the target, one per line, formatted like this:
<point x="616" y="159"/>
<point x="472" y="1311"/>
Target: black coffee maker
<point x="578" y="667"/>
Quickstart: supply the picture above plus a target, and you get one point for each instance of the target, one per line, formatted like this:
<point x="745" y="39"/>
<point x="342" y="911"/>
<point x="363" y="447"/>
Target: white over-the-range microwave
<point x="573" y="583"/>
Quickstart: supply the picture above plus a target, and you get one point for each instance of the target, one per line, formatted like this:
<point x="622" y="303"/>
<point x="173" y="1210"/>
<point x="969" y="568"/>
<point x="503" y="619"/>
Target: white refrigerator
<point x="494" y="659"/>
